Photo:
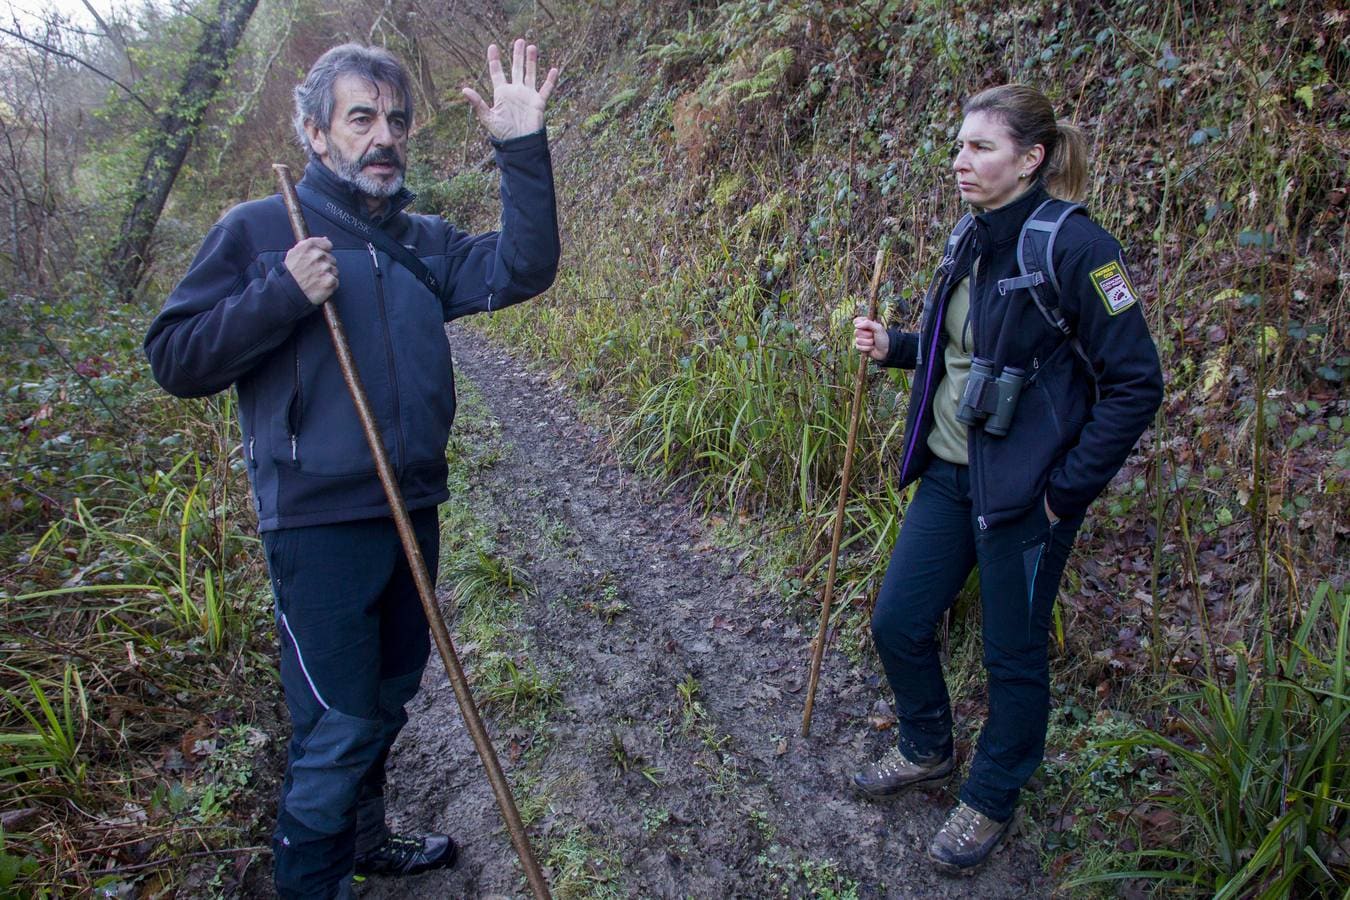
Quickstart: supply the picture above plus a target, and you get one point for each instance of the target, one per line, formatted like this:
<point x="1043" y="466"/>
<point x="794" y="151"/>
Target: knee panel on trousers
<point x="326" y="775"/>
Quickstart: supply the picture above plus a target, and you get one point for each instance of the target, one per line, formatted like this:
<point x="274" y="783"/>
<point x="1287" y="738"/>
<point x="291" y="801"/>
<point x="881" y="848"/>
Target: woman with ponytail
<point x="1027" y="397"/>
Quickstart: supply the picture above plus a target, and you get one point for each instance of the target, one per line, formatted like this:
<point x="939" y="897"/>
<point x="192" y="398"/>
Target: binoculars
<point x="990" y="400"/>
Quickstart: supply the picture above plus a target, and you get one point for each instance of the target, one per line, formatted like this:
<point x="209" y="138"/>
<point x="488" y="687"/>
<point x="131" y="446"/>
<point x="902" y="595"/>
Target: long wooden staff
<point x="472" y="720"/>
<point x="855" y="416"/>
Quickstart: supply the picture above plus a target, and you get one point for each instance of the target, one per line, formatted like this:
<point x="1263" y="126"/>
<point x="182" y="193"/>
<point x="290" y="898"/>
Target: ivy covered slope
<point x="727" y="176"/>
<point x="727" y="173"/>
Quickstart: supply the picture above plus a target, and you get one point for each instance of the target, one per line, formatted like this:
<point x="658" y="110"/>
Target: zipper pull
<point x="984" y="526"/>
<point x="293" y="452"/>
<point x="250" y="449"/>
<point x="1035" y="362"/>
<point x="375" y="260"/>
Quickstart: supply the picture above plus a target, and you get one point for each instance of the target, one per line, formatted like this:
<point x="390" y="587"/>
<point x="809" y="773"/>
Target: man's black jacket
<point x="1063" y="445"/>
<point x="239" y="317"/>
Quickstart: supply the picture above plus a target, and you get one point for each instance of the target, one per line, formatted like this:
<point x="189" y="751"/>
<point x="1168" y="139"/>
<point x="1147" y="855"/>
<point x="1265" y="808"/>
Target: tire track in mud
<point x="630" y="601"/>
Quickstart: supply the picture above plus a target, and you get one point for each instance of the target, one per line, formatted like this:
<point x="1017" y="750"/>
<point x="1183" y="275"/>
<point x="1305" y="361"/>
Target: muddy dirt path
<point x="702" y="791"/>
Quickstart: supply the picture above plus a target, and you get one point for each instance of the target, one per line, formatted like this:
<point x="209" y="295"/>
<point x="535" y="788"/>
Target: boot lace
<point x="892" y="763"/>
<point x="962" y="824"/>
<point x="401" y="850"/>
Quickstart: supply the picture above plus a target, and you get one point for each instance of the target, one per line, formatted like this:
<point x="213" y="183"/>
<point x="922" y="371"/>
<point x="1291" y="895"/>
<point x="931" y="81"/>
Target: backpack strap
<point x="955" y="240"/>
<point x="954" y="245"/>
<point x="958" y="234"/>
<point x="1036" y="263"/>
<point x="1036" y="260"/>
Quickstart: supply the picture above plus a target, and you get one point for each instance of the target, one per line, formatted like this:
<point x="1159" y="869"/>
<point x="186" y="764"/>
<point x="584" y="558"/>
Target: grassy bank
<point x="137" y="707"/>
<point x="726" y="176"/>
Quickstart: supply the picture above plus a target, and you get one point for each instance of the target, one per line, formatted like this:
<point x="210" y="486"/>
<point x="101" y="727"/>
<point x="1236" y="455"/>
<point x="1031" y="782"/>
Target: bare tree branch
<point x="114" y="35"/>
<point x="70" y="56"/>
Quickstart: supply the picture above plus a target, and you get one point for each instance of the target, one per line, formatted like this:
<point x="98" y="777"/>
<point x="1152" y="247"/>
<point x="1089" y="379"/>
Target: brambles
<point x="134" y="612"/>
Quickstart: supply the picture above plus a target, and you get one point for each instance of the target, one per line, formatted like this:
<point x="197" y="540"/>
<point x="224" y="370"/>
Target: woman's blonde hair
<point x="1030" y="119"/>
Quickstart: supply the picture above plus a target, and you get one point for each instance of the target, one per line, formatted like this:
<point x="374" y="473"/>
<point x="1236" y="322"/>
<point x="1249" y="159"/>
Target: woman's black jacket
<point x="1067" y="440"/>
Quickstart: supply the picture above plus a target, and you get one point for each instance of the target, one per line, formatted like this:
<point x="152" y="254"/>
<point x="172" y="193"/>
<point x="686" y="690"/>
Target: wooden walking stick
<point x="425" y="590"/>
<point x="855" y="416"/>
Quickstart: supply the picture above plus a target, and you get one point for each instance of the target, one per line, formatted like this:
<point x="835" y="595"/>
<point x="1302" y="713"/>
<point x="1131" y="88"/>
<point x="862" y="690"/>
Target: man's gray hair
<point x="314" y="97"/>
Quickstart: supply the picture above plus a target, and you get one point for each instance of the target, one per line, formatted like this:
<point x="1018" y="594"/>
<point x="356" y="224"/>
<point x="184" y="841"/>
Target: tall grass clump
<point x="1259" y="785"/>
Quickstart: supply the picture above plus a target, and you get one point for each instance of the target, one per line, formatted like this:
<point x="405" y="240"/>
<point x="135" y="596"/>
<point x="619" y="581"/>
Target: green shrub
<point x="1261" y="780"/>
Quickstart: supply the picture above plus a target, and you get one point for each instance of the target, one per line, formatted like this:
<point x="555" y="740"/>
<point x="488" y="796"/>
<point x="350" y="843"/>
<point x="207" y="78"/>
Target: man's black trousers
<point x="354" y="643"/>
<point x="1020" y="565"/>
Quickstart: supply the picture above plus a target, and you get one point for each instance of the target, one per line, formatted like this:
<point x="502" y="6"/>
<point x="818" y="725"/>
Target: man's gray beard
<point x="350" y="171"/>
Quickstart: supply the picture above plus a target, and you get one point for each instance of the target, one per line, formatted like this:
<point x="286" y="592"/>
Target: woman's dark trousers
<point x="1020" y="565"/>
<point x="353" y="645"/>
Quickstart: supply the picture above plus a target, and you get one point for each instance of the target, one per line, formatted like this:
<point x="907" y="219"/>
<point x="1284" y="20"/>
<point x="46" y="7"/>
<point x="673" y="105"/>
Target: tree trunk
<point x="177" y="129"/>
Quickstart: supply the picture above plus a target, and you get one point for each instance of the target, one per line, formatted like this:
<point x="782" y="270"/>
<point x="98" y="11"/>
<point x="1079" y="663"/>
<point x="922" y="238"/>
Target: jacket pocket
<point x="1052" y="415"/>
<point x="1046" y="424"/>
<point x="322" y="433"/>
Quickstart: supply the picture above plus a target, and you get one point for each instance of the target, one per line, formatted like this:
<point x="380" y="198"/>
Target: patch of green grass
<point x="1089" y="782"/>
<point x="627" y="759"/>
<point x="489" y="589"/>
<point x="1260" y="780"/>
<point x="578" y="867"/>
<point x="51" y="742"/>
<point x="817" y="878"/>
<point x="554" y="532"/>
<point x="763" y="824"/>
<point x="608" y="604"/>
<point x="692" y="712"/>
<point x="723" y="775"/>
<point x="653" y="817"/>
<point x="532" y="798"/>
<point x="515" y="685"/>
<point x="483" y="584"/>
<point x="229" y="769"/>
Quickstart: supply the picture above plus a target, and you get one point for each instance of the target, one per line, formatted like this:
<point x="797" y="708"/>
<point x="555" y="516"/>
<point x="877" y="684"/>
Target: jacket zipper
<point x="973" y="444"/>
<point x="389" y="355"/>
<point x="295" y="426"/>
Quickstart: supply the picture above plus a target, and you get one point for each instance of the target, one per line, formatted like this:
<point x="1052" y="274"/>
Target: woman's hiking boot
<point x="965" y="840"/>
<point x="894" y="772"/>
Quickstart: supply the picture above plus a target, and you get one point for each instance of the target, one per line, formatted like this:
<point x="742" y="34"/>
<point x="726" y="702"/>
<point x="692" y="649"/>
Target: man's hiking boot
<point x="404" y="854"/>
<point x="965" y="840"/>
<point x="894" y="772"/>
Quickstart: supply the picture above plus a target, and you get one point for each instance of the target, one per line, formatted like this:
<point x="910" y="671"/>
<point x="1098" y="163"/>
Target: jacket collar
<point x="1003" y="225"/>
<point x="324" y="180"/>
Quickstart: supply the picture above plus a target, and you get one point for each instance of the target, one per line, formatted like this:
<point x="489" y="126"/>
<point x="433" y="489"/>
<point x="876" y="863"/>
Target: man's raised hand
<point x="517" y="107"/>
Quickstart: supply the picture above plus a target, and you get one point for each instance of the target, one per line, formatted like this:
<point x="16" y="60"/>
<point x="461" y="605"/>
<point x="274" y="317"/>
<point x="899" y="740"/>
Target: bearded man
<point x="352" y="631"/>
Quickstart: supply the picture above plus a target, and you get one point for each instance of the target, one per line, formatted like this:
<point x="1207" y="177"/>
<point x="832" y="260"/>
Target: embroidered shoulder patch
<point x="1114" y="287"/>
